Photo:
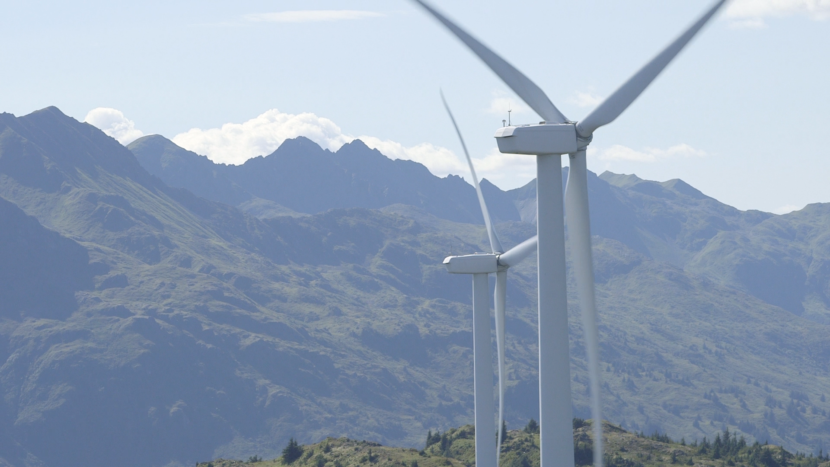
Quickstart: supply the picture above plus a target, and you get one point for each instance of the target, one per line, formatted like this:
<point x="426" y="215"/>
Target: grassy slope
<point x="521" y="449"/>
<point x="784" y="260"/>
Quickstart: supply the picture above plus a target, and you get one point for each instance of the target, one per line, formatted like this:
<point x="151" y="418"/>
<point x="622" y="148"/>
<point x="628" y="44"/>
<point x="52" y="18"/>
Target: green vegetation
<point x="343" y="452"/>
<point x="456" y="447"/>
<point x="292" y="452"/>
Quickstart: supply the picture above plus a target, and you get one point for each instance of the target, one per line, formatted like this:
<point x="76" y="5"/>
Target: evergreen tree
<point x="291" y="452"/>
<point x="704" y="447"/>
<point x="584" y="454"/>
<point x="503" y="431"/>
<point x="446" y="442"/>
<point x="432" y="438"/>
<point x="766" y="459"/>
<point x="532" y="427"/>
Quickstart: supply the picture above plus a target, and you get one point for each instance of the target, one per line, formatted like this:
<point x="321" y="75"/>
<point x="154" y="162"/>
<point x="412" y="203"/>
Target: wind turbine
<point x="481" y="266"/>
<point x="549" y="140"/>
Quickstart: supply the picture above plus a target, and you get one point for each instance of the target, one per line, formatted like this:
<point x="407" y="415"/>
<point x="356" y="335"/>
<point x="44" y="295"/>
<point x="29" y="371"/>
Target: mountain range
<point x="160" y="309"/>
<point x="305" y="178"/>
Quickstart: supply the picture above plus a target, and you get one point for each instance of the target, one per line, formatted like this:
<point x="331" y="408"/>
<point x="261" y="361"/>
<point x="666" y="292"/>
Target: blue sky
<point x="742" y="114"/>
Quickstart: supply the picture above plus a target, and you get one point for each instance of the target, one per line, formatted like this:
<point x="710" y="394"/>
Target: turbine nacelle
<point x="544" y="138"/>
<point x="479" y="263"/>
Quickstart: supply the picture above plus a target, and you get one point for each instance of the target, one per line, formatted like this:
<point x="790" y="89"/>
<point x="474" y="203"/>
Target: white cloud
<point x="309" y="16"/>
<point x="505" y="169"/>
<point x="623" y="153"/>
<point x="751" y="23"/>
<point x="586" y="99"/>
<point x="234" y="143"/>
<point x="786" y="209"/>
<point x="440" y="161"/>
<point x="113" y="123"/>
<point x="751" y="13"/>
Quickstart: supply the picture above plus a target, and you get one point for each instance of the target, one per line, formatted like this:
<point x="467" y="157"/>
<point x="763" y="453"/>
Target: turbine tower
<point x="481" y="266"/>
<point x="548" y="141"/>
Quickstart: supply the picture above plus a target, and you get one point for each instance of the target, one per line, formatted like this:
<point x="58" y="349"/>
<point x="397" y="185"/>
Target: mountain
<point x="40" y="270"/>
<point x="781" y="260"/>
<point x="784" y="260"/>
<point x="185" y="169"/>
<point x="669" y="221"/>
<point x="302" y="176"/>
<point x="184" y="329"/>
<point x="192" y="328"/>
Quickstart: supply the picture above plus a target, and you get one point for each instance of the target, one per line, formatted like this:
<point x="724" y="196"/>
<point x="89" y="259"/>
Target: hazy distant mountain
<point x="306" y="178"/>
<point x="192" y="330"/>
<point x="181" y="168"/>
<point x="669" y="221"/>
<point x="784" y="260"/>
<point x="40" y="270"/>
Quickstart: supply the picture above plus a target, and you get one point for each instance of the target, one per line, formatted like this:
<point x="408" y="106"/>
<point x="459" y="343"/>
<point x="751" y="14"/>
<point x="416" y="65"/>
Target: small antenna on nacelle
<point x="509" y="110"/>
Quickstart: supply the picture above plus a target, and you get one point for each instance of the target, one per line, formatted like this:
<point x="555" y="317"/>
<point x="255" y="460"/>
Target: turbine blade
<point x="518" y="253"/>
<point x="579" y="235"/>
<point x="617" y="102"/>
<point x="495" y="245"/>
<point x="526" y="89"/>
<point x="500" y="300"/>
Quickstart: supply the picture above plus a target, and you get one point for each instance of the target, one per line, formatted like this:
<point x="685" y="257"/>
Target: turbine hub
<point x="582" y="142"/>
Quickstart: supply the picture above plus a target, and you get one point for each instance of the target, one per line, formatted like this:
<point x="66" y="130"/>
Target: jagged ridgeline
<point x="455" y="447"/>
<point x="159" y="309"/>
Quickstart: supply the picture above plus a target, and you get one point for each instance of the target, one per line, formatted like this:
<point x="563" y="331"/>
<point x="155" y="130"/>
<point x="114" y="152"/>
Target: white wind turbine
<point x="549" y="140"/>
<point x="480" y="266"/>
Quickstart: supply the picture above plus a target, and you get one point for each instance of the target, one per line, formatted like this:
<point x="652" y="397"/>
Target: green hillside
<point x="520" y="448"/>
<point x="784" y="261"/>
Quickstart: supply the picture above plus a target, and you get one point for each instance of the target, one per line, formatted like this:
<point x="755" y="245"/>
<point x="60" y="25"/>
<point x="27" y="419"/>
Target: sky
<point x="742" y="114"/>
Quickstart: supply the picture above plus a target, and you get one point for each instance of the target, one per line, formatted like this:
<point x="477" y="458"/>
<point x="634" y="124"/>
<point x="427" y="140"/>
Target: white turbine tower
<point x="480" y="266"/>
<point x="549" y="141"/>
